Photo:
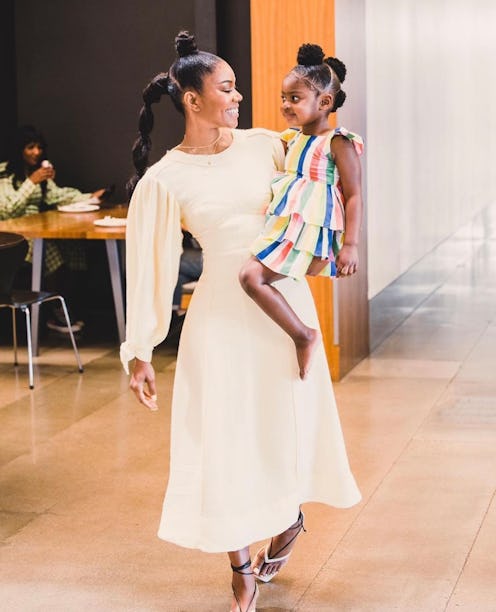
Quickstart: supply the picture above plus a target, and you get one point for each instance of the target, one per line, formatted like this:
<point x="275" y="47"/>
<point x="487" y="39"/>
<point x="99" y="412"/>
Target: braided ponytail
<point x="152" y="93"/>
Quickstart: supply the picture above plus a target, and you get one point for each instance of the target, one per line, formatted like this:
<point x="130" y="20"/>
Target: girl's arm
<point x="348" y="165"/>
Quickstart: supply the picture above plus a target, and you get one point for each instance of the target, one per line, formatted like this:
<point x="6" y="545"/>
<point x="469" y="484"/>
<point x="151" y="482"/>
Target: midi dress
<point x="306" y="216"/>
<point x="250" y="441"/>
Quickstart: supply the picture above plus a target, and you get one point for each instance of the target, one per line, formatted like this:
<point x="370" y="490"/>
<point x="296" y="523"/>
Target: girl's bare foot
<point x="305" y="349"/>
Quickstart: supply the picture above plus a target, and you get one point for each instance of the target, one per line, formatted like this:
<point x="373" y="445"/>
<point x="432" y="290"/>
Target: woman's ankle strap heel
<point x="240" y="568"/>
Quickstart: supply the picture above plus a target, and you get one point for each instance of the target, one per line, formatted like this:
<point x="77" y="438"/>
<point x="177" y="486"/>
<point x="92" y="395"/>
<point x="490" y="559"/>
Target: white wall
<point x="431" y="121"/>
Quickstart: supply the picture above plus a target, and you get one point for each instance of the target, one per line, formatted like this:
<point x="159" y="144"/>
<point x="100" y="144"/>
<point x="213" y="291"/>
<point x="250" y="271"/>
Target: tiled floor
<point x="83" y="468"/>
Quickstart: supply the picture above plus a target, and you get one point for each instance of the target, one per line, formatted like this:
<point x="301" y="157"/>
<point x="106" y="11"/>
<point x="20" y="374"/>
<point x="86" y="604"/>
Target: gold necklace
<point x="202" y="147"/>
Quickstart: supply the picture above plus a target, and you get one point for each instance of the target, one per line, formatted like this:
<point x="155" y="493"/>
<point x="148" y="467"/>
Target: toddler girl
<point x="314" y="200"/>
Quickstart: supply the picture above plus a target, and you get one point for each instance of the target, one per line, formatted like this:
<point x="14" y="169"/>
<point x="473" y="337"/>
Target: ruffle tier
<point x="288" y="245"/>
<point x="318" y="203"/>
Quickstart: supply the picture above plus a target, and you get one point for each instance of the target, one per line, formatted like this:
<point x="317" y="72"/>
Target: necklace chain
<point x="212" y="144"/>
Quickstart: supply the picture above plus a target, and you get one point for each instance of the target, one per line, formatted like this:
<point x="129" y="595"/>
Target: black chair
<point x="13" y="249"/>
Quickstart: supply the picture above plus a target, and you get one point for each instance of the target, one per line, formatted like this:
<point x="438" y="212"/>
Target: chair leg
<point x="30" y="347"/>
<point x="68" y="321"/>
<point x="14" y="335"/>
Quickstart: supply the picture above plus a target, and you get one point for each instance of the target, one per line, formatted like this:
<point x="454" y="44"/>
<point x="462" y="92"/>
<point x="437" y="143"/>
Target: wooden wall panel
<point x="277" y="30"/>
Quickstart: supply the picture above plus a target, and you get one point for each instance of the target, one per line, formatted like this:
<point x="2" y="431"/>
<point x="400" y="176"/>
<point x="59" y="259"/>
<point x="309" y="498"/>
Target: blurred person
<point x="190" y="269"/>
<point x="27" y="187"/>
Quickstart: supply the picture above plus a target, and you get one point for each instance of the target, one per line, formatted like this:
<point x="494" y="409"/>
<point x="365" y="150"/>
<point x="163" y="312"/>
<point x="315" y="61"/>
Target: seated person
<point x="190" y="268"/>
<point x="27" y="186"/>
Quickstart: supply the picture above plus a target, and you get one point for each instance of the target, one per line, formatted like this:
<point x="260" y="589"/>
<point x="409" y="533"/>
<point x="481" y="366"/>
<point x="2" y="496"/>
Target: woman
<point x="250" y="442"/>
<point x="27" y="186"/>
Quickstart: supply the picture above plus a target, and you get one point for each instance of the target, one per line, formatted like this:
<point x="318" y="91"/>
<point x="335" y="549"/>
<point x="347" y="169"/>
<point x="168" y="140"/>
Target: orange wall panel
<point x="278" y="28"/>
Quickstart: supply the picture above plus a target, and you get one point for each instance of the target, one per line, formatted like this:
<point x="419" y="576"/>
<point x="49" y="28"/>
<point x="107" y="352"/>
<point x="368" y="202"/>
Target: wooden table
<point x="58" y="225"/>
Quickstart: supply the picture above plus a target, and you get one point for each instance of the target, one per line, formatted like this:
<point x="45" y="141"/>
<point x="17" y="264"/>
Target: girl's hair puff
<point x="323" y="75"/>
<point x="186" y="73"/>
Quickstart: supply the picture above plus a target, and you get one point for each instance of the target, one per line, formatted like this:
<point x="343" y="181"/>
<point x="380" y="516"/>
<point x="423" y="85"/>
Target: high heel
<point x="253" y="601"/>
<point x="299" y="525"/>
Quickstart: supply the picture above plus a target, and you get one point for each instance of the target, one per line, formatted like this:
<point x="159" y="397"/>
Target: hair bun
<point x="185" y="44"/>
<point x="338" y="67"/>
<point x="310" y="55"/>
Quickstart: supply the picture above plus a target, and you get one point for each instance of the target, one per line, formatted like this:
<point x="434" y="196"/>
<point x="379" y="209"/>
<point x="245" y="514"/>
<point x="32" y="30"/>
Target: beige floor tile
<point x="476" y="588"/>
<point x="408" y="544"/>
<point x="406" y="368"/>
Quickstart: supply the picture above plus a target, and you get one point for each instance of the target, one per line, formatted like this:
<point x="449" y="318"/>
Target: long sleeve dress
<point x="250" y="441"/>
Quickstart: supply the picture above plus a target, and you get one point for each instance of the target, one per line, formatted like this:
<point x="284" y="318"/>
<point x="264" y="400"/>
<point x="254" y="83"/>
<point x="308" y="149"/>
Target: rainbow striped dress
<point x="305" y="218"/>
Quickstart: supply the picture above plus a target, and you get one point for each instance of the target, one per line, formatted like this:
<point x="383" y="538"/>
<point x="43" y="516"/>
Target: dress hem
<point x="262" y="535"/>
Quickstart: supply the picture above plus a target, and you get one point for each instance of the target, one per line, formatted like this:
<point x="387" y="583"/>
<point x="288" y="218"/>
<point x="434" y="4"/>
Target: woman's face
<point x="32" y="154"/>
<point x="219" y="99"/>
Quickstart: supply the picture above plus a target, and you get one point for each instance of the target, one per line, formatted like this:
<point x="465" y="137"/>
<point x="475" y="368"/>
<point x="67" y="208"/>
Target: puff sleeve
<point x="153" y="251"/>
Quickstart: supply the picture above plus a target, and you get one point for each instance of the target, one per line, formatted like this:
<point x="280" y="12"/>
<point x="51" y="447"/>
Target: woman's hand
<point x="42" y="174"/>
<point x="347" y="260"/>
<point x="144" y="375"/>
<point x="98" y="193"/>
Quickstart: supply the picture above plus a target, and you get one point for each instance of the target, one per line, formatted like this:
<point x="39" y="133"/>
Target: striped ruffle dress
<point x="305" y="218"/>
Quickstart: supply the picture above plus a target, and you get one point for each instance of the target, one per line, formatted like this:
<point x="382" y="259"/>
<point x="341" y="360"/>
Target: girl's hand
<point x="144" y="374"/>
<point x="347" y="260"/>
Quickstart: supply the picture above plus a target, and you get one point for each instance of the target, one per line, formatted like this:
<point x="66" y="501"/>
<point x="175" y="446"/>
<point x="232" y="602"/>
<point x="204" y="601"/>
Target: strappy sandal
<point x="299" y="526"/>
<point x="253" y="601"/>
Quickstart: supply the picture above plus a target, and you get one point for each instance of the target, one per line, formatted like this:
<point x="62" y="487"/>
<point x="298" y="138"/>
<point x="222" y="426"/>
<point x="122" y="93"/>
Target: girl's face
<point x="32" y="153"/>
<point x="218" y="102"/>
<point x="301" y="105"/>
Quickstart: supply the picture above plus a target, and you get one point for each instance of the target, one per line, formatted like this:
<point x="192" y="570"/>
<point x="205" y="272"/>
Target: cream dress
<point x="250" y="442"/>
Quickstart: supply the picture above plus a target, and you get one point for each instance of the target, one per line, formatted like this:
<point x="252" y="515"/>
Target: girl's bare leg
<point x="245" y="591"/>
<point x="256" y="279"/>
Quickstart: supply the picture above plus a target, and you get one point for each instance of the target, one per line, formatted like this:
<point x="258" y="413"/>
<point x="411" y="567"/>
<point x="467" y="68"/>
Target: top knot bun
<point x="338" y="67"/>
<point x="310" y="55"/>
<point x="185" y="44"/>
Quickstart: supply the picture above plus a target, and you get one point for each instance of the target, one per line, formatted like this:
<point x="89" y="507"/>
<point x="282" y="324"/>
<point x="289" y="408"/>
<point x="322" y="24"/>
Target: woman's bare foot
<point x="305" y="349"/>
<point x="280" y="547"/>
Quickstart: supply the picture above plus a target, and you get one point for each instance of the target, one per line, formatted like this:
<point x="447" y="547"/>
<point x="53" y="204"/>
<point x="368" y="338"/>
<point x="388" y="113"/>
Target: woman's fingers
<point x="143" y="384"/>
<point x="145" y="397"/>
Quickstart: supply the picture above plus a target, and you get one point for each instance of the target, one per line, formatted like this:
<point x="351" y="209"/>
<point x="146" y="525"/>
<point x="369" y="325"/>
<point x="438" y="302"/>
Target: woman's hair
<point x="24" y="135"/>
<point x="186" y="73"/>
<point x="323" y="75"/>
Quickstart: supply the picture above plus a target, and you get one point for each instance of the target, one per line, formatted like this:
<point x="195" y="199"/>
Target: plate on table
<point x="110" y="222"/>
<point x="83" y="206"/>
